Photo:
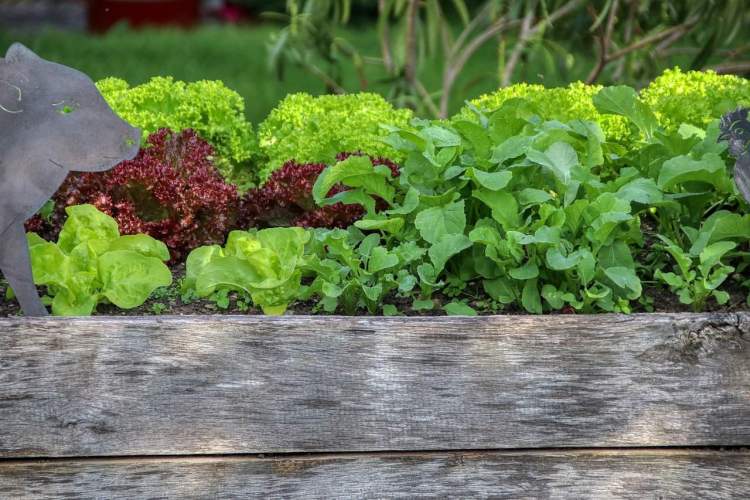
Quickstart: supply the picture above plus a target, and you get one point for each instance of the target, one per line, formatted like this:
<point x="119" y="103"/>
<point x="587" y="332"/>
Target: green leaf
<point x="390" y="310"/>
<point x="406" y="281"/>
<point x="373" y="292"/>
<point x="670" y="279"/>
<point x="681" y="169"/>
<point x="441" y="136"/>
<point x="557" y="298"/>
<point x="643" y="191"/>
<point x="392" y="226"/>
<point x="526" y="272"/>
<point x="410" y="203"/>
<point x="356" y="172"/>
<point x="625" y="278"/>
<point x="476" y="135"/>
<point x="586" y="266"/>
<point x="684" y="262"/>
<point x="494" y="181"/>
<point x="129" y="278"/>
<point x="721" y="296"/>
<point x="445" y="248"/>
<point x="530" y="297"/>
<point x="533" y="196"/>
<point x="381" y="259"/>
<point x="435" y="222"/>
<point x="87" y="224"/>
<point x="503" y="205"/>
<point x="559" y="158"/>
<point x="143" y="244"/>
<point x="459" y="309"/>
<point x="558" y="262"/>
<point x="422" y="305"/>
<point x="427" y="274"/>
<point x="623" y="100"/>
<point x="712" y="254"/>
<point x="196" y="262"/>
<point x="513" y="147"/>
<point x="501" y="290"/>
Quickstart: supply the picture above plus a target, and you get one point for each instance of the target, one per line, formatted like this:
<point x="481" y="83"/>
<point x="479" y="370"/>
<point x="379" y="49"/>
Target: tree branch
<point x="385" y="46"/>
<point x="410" y="67"/>
<point x="740" y="67"/>
<point x="673" y="34"/>
<point x="518" y="49"/>
<point x="454" y="68"/>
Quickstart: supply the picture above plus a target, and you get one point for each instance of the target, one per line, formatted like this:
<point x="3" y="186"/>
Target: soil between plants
<point x="168" y="301"/>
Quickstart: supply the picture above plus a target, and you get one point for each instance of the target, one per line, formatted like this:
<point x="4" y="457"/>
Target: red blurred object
<point x="103" y="14"/>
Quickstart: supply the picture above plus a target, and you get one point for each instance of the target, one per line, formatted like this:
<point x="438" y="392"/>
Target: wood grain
<point x="575" y="475"/>
<point x="214" y="385"/>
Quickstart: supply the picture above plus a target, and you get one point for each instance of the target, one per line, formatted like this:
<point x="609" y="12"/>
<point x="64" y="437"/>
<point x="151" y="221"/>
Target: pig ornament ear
<point x="13" y="77"/>
<point x="19" y="53"/>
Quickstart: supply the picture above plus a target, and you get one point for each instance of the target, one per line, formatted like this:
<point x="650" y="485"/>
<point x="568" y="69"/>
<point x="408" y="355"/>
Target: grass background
<point x="238" y="57"/>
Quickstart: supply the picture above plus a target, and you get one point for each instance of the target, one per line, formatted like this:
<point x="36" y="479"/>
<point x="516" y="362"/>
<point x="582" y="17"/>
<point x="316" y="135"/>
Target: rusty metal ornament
<point x="735" y="129"/>
<point x="53" y="120"/>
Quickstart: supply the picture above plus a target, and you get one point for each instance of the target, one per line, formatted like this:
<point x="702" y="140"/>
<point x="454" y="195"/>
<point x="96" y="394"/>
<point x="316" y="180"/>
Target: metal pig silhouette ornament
<point x="735" y="128"/>
<point x="53" y="120"/>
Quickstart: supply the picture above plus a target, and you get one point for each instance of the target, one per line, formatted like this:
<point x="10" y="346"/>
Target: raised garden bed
<point x="648" y="405"/>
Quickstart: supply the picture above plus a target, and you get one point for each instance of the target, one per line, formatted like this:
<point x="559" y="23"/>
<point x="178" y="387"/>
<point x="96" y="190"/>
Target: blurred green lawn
<point x="237" y="56"/>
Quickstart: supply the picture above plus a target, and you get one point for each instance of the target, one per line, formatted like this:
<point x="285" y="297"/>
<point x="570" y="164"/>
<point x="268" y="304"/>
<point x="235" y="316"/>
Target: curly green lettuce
<point x="564" y="104"/>
<point x="311" y="129"/>
<point x="213" y="111"/>
<point x="694" y="97"/>
<point x="91" y="264"/>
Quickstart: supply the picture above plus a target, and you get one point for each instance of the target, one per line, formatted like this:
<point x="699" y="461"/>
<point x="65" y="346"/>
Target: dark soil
<point x="168" y="301"/>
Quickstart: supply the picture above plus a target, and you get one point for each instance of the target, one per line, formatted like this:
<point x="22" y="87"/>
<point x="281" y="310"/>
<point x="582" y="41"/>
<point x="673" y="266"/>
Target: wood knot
<point x="704" y="338"/>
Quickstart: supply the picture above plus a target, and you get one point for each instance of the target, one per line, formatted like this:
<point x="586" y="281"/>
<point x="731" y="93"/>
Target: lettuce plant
<point x="213" y="111"/>
<point x="694" y="97"/>
<point x="265" y="264"/>
<point x="573" y="102"/>
<point x="171" y="191"/>
<point x="91" y="263"/>
<point x="286" y="199"/>
<point x="310" y="129"/>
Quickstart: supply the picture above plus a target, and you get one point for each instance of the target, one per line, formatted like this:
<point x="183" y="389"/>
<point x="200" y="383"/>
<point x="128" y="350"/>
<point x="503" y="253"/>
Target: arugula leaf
<point x="623" y="100"/>
<point x="435" y="222"/>
<point x="459" y="309"/>
<point x="356" y="172"/>
<point x="559" y="158"/>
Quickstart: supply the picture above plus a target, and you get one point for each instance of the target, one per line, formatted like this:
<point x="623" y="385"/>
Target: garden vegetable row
<point x="573" y="199"/>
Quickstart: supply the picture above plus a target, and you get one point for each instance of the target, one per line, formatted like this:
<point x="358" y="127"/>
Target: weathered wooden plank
<point x="575" y="475"/>
<point x="153" y="386"/>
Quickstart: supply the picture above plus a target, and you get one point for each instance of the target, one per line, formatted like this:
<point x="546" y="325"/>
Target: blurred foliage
<point x="620" y="40"/>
